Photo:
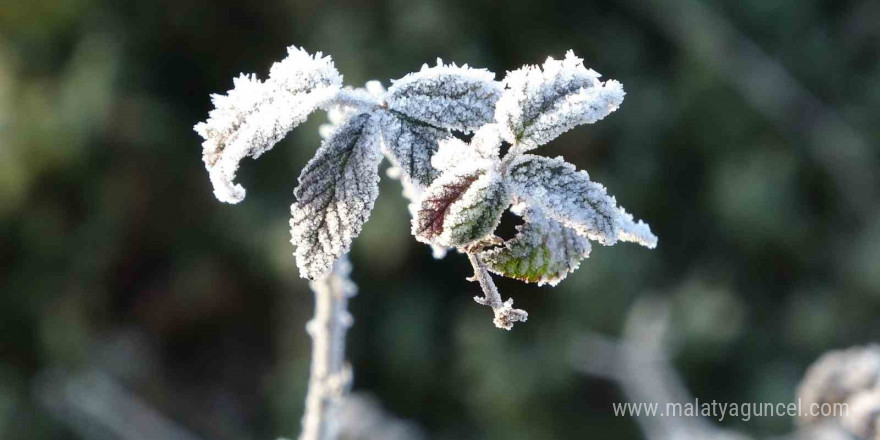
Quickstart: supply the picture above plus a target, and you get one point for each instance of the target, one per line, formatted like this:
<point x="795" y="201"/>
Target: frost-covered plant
<point x="458" y="193"/>
<point x="562" y="208"/>
<point x="457" y="190"/>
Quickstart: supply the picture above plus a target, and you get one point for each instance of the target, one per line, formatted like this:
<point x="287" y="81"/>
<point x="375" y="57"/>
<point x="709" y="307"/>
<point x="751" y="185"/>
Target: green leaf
<point x="462" y="206"/>
<point x="544" y="251"/>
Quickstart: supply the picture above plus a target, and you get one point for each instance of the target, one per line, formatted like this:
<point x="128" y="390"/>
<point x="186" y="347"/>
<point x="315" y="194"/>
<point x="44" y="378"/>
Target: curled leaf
<point x="462" y="206"/>
<point x="544" y="251"/>
<point x="569" y="197"/>
<point x="540" y="103"/>
<point x="252" y="117"/>
<point x="446" y="96"/>
<point x="336" y="192"/>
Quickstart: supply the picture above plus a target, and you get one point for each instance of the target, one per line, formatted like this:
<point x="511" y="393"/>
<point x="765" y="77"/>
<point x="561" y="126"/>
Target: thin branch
<point x="356" y="98"/>
<point x="505" y="314"/>
<point x="330" y="376"/>
<point x="640" y="364"/>
<point x="641" y="367"/>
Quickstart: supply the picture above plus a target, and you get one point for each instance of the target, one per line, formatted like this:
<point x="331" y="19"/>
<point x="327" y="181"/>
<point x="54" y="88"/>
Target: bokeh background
<point x="748" y="140"/>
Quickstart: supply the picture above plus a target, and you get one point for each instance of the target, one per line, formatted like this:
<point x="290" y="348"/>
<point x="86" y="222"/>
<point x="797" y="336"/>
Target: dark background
<point x="748" y="140"/>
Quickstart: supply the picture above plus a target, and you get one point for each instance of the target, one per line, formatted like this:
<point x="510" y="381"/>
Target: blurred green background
<point x="748" y="140"/>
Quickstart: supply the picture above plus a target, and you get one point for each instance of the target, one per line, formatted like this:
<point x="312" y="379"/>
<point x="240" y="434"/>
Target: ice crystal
<point x="410" y="146"/>
<point x="570" y="197"/>
<point x="335" y="195"/>
<point x="561" y="206"/>
<point x="544" y="251"/>
<point x="447" y="96"/>
<point x="462" y="206"/>
<point x="255" y="115"/>
<point x="458" y="190"/>
<point x="539" y="103"/>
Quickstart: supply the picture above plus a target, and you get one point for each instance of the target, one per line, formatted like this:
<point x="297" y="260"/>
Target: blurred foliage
<point x="114" y="254"/>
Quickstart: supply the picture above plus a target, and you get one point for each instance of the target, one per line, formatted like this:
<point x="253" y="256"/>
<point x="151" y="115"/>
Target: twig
<point x="640" y="366"/>
<point x="505" y="314"/>
<point x="330" y="376"/>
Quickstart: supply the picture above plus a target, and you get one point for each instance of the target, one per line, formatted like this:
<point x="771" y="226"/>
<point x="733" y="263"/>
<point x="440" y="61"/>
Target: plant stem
<point x="505" y="314"/>
<point x="330" y="375"/>
<point x="354" y="98"/>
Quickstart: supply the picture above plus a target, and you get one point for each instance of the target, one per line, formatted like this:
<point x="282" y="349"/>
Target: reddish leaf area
<point x="436" y="206"/>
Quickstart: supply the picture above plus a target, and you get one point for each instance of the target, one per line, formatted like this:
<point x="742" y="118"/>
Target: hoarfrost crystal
<point x="457" y="189"/>
<point x="568" y="196"/>
<point x="336" y="192"/>
<point x="455" y="98"/>
<point x="540" y="103"/>
<point x="255" y="115"/>
<point x="544" y="251"/>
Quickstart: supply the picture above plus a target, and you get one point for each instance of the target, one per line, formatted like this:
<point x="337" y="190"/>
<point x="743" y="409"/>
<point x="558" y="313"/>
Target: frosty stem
<point x="505" y="314"/>
<point x="358" y="99"/>
<point x="330" y="374"/>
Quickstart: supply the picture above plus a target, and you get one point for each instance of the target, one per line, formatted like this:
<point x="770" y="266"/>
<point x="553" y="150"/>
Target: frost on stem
<point x="329" y="376"/>
<point x="505" y="314"/>
<point x="255" y="115"/>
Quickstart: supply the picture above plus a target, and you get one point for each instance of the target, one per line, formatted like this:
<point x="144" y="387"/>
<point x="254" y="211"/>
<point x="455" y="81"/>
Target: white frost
<point x="336" y="192"/>
<point x="461" y="206"/>
<point x="410" y="146"/>
<point x="446" y="96"/>
<point x="255" y="115"/>
<point x="543" y="250"/>
<point x="540" y="103"/>
<point x="568" y="196"/>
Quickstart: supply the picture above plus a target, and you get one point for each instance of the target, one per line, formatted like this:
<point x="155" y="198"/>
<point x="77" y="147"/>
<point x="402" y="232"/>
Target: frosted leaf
<point x="410" y="145"/>
<point x="463" y="205"/>
<point x="477" y="213"/>
<point x="336" y="192"/>
<point x="544" y="251"/>
<point x="540" y="103"/>
<point x="446" y="96"/>
<point x="568" y="196"/>
<point x="255" y="115"/>
<point x="632" y="231"/>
